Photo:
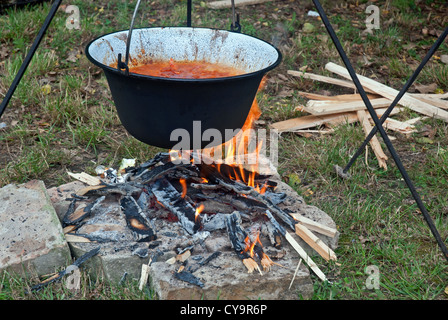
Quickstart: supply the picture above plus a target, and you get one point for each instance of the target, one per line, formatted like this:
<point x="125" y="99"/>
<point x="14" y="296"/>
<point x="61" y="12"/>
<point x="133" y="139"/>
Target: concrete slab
<point x="31" y="237"/>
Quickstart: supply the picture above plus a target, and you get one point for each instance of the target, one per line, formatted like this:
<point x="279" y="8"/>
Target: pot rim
<point x="189" y="80"/>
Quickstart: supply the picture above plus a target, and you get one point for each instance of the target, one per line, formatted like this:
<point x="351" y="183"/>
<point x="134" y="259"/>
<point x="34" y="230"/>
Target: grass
<point x="62" y="117"/>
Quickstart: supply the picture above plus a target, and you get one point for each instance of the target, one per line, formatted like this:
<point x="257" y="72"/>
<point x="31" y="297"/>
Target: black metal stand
<point x="378" y="122"/>
<point x="29" y="56"/>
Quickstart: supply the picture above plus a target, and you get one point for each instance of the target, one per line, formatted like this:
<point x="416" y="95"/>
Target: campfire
<point x="218" y="190"/>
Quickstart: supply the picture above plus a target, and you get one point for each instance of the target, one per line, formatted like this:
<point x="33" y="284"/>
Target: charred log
<point x="75" y="215"/>
<point x="171" y="199"/>
<point x="189" y="277"/>
<point x="135" y="219"/>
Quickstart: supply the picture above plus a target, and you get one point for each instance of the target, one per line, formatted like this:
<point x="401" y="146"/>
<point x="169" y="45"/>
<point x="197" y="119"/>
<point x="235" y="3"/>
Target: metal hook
<point x="235" y="26"/>
<point x="124" y="65"/>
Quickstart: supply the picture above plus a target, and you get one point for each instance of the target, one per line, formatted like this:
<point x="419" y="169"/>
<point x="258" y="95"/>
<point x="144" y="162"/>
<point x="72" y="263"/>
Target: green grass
<point x="74" y="127"/>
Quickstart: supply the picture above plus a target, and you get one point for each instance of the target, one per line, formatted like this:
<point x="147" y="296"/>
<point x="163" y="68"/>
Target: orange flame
<point x="183" y="183"/>
<point x="198" y="212"/>
<point x="236" y="151"/>
<point x="251" y="245"/>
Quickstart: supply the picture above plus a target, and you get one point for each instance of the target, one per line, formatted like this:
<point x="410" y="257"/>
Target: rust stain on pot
<point x="219" y="34"/>
<point x="122" y="36"/>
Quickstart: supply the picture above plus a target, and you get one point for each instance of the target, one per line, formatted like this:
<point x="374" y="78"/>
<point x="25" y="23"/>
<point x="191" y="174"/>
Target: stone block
<point x="31" y="236"/>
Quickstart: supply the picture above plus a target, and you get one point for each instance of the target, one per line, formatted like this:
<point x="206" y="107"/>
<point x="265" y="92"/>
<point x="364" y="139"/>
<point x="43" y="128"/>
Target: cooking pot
<point x="152" y="108"/>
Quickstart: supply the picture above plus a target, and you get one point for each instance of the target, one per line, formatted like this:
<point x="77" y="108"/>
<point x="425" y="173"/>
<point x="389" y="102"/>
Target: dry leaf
<point x="430" y="88"/>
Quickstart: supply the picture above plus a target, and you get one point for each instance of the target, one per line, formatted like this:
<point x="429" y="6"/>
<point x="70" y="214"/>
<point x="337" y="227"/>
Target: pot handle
<point x="124" y="65"/>
<point x="235" y="26"/>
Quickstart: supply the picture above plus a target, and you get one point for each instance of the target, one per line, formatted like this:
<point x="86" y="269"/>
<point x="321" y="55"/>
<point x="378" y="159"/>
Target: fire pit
<point x="206" y="232"/>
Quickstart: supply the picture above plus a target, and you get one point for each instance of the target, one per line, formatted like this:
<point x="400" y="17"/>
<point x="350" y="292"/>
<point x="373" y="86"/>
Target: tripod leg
<point x="29" y="56"/>
<point x="379" y="127"/>
<point x="408" y="84"/>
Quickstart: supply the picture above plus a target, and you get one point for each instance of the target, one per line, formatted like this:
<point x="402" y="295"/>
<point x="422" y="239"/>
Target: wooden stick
<point x="144" y="275"/>
<point x="315" y="243"/>
<point x="388" y="92"/>
<point x="86" y="178"/>
<point x="374" y="143"/>
<point x="398" y="126"/>
<point x="227" y="3"/>
<point x="341" y="97"/>
<point x="295" y="273"/>
<point x="305" y="257"/>
<point x="332" y="107"/>
<point x="314" y="226"/>
<point x="316" y="77"/>
<point x="312" y="121"/>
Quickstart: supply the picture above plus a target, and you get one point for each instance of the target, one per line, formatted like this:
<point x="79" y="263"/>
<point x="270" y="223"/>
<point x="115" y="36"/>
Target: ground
<point x="62" y="118"/>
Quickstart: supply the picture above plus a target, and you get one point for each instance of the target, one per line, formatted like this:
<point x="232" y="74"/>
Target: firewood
<point x="305" y="257"/>
<point x="183" y="256"/>
<point x="314" y="242"/>
<point x="399" y="126"/>
<point x="312" y="121"/>
<point x="189" y="277"/>
<point x="340" y="98"/>
<point x="144" y="275"/>
<point x="390" y="93"/>
<point x="374" y="143"/>
<point x="86" y="178"/>
<point x="314" y="226"/>
<point x="222" y="4"/>
<point x="316" y="77"/>
<point x="135" y="219"/>
<point x="74" y="216"/>
<point x="302" y="253"/>
<point x="316" y="107"/>
<point x="171" y="199"/>
<point x="295" y="273"/>
<point x="72" y="238"/>
<point x="237" y="236"/>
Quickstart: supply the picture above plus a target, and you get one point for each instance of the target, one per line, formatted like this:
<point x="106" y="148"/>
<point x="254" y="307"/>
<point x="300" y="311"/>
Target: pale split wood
<point x="144" y="275"/>
<point x="302" y="253"/>
<point x="314" y="226"/>
<point x="221" y="4"/>
<point x="390" y="93"/>
<point x="325" y="107"/>
<point x="439" y="103"/>
<point x="71" y="238"/>
<point x="311" y="121"/>
<point x="340" y="97"/>
<point x="399" y="126"/>
<point x="317" y="77"/>
<point x="314" y="242"/>
<point x="85" y="177"/>
<point x="295" y="273"/>
<point x="374" y="143"/>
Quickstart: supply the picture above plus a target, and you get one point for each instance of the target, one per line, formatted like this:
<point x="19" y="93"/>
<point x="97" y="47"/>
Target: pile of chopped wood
<point x="330" y="111"/>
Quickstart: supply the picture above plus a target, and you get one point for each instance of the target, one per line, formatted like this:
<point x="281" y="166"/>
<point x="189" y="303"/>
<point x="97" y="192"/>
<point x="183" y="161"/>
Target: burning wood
<point x="171" y="199"/>
<point x="135" y="219"/>
<point x="202" y="199"/>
